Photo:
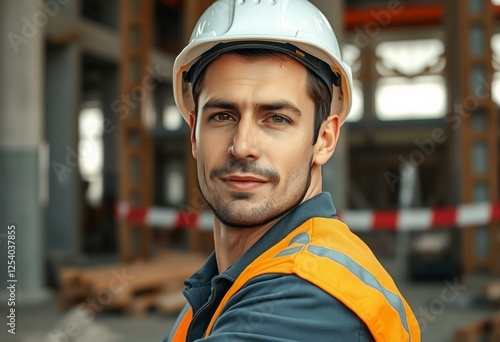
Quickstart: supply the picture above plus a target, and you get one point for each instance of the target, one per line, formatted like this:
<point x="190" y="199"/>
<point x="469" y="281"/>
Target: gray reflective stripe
<point x="302" y="238"/>
<point x="365" y="276"/>
<point x="289" y="251"/>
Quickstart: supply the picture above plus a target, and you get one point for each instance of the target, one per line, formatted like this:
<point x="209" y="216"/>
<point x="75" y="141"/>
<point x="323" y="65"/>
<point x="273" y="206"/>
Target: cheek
<point x="291" y="158"/>
<point x="209" y="154"/>
<point x="293" y="150"/>
<point x="203" y="172"/>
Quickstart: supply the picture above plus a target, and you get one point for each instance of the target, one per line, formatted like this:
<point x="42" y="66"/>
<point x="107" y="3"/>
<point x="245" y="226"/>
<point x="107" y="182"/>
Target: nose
<point x="245" y="142"/>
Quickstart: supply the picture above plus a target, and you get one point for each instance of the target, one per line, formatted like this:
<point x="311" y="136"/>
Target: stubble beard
<point x="229" y="212"/>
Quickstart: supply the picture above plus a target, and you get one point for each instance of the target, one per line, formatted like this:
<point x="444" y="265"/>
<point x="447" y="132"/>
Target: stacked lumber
<point x="487" y="330"/>
<point x="133" y="288"/>
<point x="492" y="291"/>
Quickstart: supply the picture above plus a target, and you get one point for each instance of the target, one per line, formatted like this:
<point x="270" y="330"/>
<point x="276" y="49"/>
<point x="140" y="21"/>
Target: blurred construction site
<point x="98" y="184"/>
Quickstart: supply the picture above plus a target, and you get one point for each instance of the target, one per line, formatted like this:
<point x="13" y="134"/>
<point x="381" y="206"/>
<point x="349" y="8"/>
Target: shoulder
<point x="290" y="309"/>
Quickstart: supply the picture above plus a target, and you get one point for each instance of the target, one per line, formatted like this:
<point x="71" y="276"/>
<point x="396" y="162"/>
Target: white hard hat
<point x="295" y="27"/>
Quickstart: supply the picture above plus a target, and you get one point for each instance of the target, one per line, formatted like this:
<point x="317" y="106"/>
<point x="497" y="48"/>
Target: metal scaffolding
<point x="473" y="120"/>
<point x="135" y="140"/>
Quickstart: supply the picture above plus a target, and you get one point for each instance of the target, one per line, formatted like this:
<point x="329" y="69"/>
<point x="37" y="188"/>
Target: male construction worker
<point x="264" y="91"/>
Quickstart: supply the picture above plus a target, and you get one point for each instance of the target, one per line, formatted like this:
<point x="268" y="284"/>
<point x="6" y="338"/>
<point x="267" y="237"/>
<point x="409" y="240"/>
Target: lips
<point x="243" y="182"/>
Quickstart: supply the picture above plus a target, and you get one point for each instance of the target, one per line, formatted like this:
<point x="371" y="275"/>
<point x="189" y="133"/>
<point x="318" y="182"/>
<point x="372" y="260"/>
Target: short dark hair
<point x="316" y="89"/>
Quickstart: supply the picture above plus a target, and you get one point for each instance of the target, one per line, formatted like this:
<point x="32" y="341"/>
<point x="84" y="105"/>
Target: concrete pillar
<point x="62" y="100"/>
<point x="22" y="187"/>
<point x="336" y="171"/>
<point x="62" y="96"/>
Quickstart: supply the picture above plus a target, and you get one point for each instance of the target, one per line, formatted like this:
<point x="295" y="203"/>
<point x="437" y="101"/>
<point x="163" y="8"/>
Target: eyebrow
<point x="278" y="105"/>
<point x="221" y="104"/>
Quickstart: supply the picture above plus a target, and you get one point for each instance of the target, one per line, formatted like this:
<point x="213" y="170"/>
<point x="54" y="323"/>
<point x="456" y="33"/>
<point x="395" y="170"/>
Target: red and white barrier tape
<point x="358" y="220"/>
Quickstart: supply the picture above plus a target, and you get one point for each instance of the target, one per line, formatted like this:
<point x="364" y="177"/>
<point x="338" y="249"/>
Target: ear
<point x="327" y="139"/>
<point x="192" y="128"/>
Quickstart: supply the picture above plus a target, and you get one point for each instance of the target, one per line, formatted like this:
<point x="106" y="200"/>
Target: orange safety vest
<point x="327" y="254"/>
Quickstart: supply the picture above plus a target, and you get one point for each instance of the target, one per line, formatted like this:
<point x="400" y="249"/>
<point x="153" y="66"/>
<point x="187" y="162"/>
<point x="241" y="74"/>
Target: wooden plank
<point x="171" y="303"/>
<point x="146" y="282"/>
<point x="140" y="304"/>
<point x="492" y="291"/>
<point x="495" y="333"/>
<point x="470" y="332"/>
<point x="487" y="329"/>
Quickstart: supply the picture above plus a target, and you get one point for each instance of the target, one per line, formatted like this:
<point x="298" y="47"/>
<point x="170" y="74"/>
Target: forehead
<point x="256" y="86"/>
<point x="259" y="70"/>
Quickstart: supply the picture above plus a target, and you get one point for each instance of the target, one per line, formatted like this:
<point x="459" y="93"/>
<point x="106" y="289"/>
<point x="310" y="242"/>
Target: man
<point x="264" y="91"/>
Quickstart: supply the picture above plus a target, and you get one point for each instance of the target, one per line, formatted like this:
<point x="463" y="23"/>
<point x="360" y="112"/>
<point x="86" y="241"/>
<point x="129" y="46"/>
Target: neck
<point x="231" y="243"/>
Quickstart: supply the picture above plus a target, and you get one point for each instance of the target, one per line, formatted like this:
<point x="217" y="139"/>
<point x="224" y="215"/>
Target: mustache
<point x="244" y="166"/>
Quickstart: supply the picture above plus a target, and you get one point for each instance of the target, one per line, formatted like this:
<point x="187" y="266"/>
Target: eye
<point x="279" y="119"/>
<point x="220" y="117"/>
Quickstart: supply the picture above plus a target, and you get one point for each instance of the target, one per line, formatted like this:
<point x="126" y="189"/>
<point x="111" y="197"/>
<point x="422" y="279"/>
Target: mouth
<point x="243" y="182"/>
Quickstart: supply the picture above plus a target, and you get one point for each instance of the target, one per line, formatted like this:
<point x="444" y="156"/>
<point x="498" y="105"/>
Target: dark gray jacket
<point x="272" y="307"/>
